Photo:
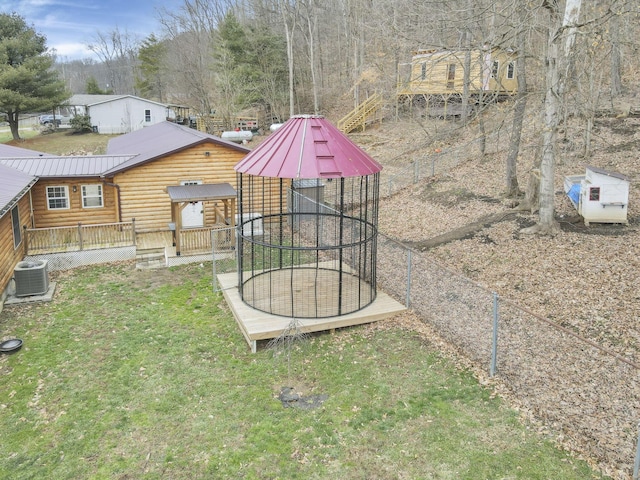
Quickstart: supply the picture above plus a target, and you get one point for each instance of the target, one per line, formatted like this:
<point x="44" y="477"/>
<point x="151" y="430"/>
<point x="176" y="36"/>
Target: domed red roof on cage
<point x="308" y="146"/>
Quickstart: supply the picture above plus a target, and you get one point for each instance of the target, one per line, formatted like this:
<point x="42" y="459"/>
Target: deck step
<point x="147" y="258"/>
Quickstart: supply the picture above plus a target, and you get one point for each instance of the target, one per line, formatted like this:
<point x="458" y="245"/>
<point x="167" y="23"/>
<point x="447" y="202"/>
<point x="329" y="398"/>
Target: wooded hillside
<point x="308" y="56"/>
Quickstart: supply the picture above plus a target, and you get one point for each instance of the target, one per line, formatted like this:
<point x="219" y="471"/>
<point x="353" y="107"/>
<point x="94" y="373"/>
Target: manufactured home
<point x="118" y="114"/>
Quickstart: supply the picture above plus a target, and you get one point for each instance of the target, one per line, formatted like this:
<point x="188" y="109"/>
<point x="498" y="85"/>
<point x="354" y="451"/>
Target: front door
<point x="192" y="213"/>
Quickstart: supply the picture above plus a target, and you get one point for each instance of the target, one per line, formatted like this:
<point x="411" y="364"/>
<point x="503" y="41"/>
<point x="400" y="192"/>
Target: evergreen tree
<point x="28" y="83"/>
<point x="94" y="89"/>
<point x="150" y="83"/>
<point x="250" y="67"/>
<point x="230" y="78"/>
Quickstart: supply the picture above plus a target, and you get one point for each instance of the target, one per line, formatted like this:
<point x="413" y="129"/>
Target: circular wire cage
<point x="307" y="247"/>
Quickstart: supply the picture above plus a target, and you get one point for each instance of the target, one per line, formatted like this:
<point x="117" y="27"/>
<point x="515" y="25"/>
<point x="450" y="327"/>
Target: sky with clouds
<point x="70" y="25"/>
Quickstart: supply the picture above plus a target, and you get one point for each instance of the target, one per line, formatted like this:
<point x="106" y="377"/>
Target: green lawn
<point x="144" y="374"/>
<point x="25" y="133"/>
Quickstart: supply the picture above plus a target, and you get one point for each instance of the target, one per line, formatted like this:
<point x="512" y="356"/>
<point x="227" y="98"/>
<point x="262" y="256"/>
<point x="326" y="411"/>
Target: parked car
<point x="49" y="119"/>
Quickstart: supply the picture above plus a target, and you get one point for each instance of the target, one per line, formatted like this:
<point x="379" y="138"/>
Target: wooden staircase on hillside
<point x="364" y="114"/>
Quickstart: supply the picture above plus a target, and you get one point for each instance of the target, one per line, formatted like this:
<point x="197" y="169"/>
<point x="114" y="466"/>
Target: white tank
<point x="274" y="127"/>
<point x="238" y="136"/>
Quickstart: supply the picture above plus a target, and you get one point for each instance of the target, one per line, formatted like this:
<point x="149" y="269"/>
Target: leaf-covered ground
<point x="583" y="279"/>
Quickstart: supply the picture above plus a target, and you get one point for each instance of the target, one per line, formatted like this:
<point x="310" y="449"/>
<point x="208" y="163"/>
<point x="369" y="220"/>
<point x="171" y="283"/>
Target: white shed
<point x="116" y="114"/>
<point x="599" y="196"/>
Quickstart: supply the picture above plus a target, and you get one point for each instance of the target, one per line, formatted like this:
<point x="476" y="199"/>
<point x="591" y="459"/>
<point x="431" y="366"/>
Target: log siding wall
<point x="430" y="73"/>
<point x="45" y="218"/>
<point x="143" y="190"/>
<point x="10" y="255"/>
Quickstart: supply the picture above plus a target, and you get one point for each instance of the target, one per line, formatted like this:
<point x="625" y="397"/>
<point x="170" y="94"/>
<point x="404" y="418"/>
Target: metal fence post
<point x="636" y="465"/>
<point x="408" y="299"/>
<point x="214" y="283"/>
<point x="494" y="343"/>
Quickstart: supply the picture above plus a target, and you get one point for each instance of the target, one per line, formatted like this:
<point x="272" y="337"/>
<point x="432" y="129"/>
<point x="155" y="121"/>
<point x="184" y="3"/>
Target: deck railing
<point x="198" y="240"/>
<point x="122" y="234"/>
<point x="79" y="237"/>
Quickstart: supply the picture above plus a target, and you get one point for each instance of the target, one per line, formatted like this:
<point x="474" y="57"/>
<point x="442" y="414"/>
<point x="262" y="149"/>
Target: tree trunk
<point x="288" y="35"/>
<point x="311" y="21"/>
<point x="467" y="76"/>
<point x="555" y="83"/>
<point x="513" y="189"/>
<point x="616" y="61"/>
<point x="12" y="118"/>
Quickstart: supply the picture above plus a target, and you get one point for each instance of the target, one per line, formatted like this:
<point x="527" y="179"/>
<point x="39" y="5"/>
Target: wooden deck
<point x="256" y="325"/>
<point x="159" y="239"/>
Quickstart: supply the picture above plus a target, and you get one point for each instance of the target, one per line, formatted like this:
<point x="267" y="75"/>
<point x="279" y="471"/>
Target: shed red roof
<point x="308" y="147"/>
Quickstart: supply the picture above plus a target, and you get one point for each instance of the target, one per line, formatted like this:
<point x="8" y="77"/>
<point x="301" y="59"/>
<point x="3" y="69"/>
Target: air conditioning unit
<point x="32" y="278"/>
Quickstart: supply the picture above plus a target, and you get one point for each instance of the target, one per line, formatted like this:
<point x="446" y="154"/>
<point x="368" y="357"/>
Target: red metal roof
<point x="308" y="146"/>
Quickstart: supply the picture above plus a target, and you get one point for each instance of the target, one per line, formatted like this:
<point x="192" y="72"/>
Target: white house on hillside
<point x="116" y="114"/>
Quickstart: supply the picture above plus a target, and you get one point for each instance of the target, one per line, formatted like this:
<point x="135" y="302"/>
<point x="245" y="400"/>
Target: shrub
<point x="81" y="123"/>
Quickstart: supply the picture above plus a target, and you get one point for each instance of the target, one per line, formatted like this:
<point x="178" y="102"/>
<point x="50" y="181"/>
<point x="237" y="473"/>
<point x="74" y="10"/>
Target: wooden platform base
<point x="256" y="325"/>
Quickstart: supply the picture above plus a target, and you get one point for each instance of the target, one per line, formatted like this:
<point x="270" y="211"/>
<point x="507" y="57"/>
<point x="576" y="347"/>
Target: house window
<point x="15" y="222"/>
<point x="147" y="115"/>
<point x="594" y="194"/>
<point x="511" y="71"/>
<point x="92" y="196"/>
<point x="451" y="74"/>
<point x="58" y="197"/>
<point x="494" y="69"/>
<point x="423" y="72"/>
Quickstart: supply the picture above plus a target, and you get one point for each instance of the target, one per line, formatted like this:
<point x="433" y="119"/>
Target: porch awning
<point x="199" y="193"/>
<point x="221" y="195"/>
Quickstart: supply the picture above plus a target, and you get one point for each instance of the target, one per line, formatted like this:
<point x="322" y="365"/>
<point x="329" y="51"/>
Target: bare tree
<point x="289" y="12"/>
<point x="513" y="189"/>
<point x="558" y="64"/>
<point x="191" y="31"/>
<point x="310" y="31"/>
<point x="118" y="52"/>
<point x="616" y="55"/>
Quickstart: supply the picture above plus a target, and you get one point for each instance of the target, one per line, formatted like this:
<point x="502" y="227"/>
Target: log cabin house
<point x="130" y="182"/>
<point x="436" y="78"/>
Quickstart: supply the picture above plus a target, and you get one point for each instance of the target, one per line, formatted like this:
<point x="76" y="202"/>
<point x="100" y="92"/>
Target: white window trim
<point x="147" y="116"/>
<point x="84" y="197"/>
<point x="66" y="197"/>
<point x="511" y="71"/>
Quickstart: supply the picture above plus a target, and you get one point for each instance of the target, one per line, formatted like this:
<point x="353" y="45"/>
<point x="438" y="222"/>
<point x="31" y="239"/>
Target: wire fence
<point x="584" y="394"/>
<point x="587" y="395"/>
<point x="428" y="163"/>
